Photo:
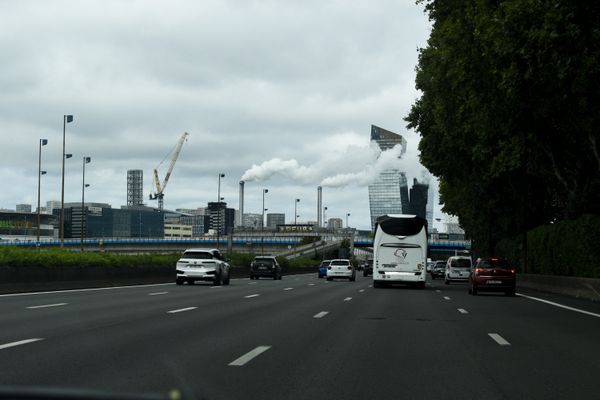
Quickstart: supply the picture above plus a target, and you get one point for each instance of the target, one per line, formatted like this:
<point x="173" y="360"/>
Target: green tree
<point x="509" y="112"/>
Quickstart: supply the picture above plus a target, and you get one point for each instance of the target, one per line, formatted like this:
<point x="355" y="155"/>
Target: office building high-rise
<point x="274" y="219"/>
<point x="135" y="187"/>
<point x="388" y="194"/>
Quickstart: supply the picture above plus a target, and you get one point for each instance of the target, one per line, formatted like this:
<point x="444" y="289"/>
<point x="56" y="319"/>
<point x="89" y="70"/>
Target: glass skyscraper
<point x="388" y="194"/>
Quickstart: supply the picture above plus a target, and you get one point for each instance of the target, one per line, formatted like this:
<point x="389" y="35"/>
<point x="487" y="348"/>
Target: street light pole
<point x="325" y="217"/>
<point x="66" y="120"/>
<point x="295" y="211"/>
<point x="262" y="224"/>
<point x="43" y="142"/>
<point x="221" y="175"/>
<point x="347" y="215"/>
<point x="86" y="160"/>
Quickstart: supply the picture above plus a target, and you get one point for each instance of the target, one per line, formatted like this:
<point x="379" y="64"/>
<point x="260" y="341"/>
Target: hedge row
<point x="23" y="257"/>
<point x="568" y="248"/>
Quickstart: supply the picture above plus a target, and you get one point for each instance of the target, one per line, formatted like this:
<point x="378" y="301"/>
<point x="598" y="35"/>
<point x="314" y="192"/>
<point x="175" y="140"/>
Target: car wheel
<point x="446" y="281"/>
<point x="179" y="281"/>
<point x="377" y="284"/>
<point x="329" y="279"/>
<point x="432" y="277"/>
<point x="190" y="281"/>
<point x="217" y="280"/>
<point x="365" y="274"/>
<point x="352" y="279"/>
<point x="226" y="281"/>
<point x="470" y="290"/>
<point x="280" y="276"/>
<point x="510" y="292"/>
<point x="474" y="291"/>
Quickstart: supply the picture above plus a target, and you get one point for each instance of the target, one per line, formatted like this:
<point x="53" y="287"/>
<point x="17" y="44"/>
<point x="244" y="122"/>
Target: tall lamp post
<point x="296" y="211"/>
<point x="43" y="142"/>
<point x="347" y="215"/>
<point x="262" y="223"/>
<point x="86" y="160"/>
<point x="325" y="217"/>
<point x="66" y="120"/>
<point x="221" y="175"/>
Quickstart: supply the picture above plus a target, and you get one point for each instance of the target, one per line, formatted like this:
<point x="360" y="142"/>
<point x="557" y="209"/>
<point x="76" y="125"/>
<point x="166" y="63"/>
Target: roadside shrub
<point x="568" y="248"/>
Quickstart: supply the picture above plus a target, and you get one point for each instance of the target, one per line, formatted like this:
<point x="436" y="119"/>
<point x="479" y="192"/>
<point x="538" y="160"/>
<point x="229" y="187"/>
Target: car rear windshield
<point x="439" y="264"/>
<point x="340" y="263"/>
<point x="460" y="263"/>
<point x="198" y="255"/>
<point x="494" y="263"/>
<point x="264" y="260"/>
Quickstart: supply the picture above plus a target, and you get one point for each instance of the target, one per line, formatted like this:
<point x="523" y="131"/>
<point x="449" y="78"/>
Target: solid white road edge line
<point x="560" y="305"/>
<point x="321" y="314"/>
<point x="20" y="342"/>
<point x="47" y="305"/>
<point x="289" y="288"/>
<point x="462" y="311"/>
<point x="181" y="310"/>
<point x="83" y="290"/>
<point x="249" y="356"/>
<point x="251" y="295"/>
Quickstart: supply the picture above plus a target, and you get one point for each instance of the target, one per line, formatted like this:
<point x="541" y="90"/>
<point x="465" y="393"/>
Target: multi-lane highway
<point x="302" y="338"/>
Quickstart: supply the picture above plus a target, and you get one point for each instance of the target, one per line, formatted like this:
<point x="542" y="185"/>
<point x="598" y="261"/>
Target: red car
<point x="492" y="274"/>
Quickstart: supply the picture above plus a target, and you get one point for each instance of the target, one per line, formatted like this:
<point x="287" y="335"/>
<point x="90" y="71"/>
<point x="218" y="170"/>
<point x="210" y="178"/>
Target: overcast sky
<point x="252" y="81"/>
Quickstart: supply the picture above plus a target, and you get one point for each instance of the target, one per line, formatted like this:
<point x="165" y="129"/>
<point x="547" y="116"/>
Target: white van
<point x="458" y="269"/>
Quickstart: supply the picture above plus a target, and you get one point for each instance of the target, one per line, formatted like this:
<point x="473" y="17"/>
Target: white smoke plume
<point x="356" y="165"/>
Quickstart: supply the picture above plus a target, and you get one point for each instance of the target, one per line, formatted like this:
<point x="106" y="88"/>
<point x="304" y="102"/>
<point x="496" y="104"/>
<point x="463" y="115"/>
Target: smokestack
<point x="241" y="204"/>
<point x="319" y="206"/>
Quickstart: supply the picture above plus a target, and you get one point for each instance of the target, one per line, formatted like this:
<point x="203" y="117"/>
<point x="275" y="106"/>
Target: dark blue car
<point x="323" y="268"/>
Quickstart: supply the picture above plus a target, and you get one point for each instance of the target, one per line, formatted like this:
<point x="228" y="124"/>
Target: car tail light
<point x="350" y="268"/>
<point x="512" y="271"/>
<point x="478" y="271"/>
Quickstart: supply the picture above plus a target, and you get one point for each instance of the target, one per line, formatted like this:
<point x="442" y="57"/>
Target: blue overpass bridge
<point x="269" y="243"/>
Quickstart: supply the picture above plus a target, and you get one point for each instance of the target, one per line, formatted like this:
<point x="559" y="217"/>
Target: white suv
<point x="202" y="265"/>
<point x="458" y="269"/>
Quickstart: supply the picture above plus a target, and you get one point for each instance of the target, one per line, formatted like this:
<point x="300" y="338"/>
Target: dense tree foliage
<point x="509" y="113"/>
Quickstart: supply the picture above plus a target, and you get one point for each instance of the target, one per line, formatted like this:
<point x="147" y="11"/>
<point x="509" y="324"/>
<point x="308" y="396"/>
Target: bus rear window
<point x="402" y="227"/>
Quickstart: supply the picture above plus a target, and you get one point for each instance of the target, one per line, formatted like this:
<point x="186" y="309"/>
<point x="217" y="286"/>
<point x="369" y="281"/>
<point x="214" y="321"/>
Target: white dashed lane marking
<point x="462" y="311"/>
<point x="289" y="288"/>
<point x="246" y="358"/>
<point x="181" y="310"/>
<point x="47" y="305"/>
<point x="321" y="314"/>
<point x="446" y="298"/>
<point x="251" y="296"/>
<point x="499" y="339"/>
<point x="348" y="299"/>
<point x="157" y="293"/>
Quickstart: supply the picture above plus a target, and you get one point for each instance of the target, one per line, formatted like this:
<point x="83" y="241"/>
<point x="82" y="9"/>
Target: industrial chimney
<point x="241" y="204"/>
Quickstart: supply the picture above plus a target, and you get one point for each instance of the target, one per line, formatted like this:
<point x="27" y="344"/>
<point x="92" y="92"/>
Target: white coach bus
<point x="400" y="250"/>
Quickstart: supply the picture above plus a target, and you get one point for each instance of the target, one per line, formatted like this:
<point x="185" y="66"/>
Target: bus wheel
<point x="377" y="284"/>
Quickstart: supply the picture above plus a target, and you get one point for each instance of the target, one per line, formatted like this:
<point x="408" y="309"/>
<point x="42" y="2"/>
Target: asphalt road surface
<point x="303" y="338"/>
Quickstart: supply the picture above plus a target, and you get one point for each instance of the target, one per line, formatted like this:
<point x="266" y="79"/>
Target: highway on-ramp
<point x="303" y="338"/>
